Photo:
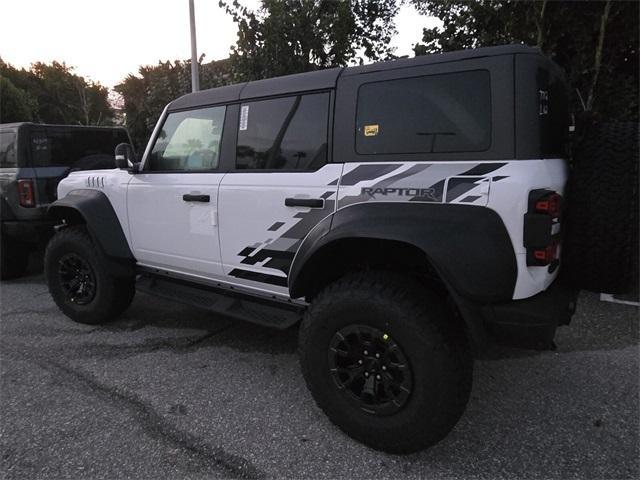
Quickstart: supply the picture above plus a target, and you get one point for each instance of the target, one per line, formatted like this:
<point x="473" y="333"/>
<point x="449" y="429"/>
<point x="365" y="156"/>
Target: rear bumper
<point x="32" y="232"/>
<point x="531" y="322"/>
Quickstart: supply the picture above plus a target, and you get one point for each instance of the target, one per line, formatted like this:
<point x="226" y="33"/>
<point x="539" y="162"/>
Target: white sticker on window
<point x="244" y="117"/>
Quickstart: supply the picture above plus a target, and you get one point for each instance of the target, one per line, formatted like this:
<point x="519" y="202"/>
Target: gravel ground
<point x="169" y="391"/>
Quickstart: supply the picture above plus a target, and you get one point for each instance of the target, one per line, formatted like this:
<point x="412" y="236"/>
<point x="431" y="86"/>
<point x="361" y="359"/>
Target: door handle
<point x="304" y="202"/>
<point x="187" y="197"/>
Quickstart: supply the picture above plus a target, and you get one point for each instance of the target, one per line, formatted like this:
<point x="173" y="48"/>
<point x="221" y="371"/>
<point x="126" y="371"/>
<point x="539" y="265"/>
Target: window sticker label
<point x="244" y="117"/>
<point x="371" y="130"/>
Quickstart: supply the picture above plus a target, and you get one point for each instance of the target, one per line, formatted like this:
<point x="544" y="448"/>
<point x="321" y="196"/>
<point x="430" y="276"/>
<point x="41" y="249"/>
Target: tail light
<point x="26" y="193"/>
<point x="542" y="228"/>
<point x="548" y="254"/>
<point x="549" y="204"/>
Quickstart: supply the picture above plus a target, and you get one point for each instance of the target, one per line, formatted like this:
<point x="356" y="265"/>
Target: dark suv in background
<point x="33" y="159"/>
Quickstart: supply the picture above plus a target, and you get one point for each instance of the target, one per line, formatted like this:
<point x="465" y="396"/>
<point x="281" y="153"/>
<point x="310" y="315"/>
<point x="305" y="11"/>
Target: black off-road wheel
<point x="383" y="359"/>
<point x="14" y="258"/>
<point x="600" y="249"/>
<point x="79" y="279"/>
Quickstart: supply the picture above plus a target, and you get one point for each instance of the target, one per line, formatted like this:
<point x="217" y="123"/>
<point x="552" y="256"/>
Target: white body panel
<point x="113" y="183"/>
<point x="509" y="198"/>
<point x="167" y="231"/>
<point x="259" y="235"/>
<point x="246" y="236"/>
<point x="503" y="186"/>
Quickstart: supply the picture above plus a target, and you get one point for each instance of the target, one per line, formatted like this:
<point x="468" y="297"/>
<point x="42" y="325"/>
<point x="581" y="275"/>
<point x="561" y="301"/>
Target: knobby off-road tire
<point x="600" y="251"/>
<point x="396" y="315"/>
<point x="79" y="279"/>
<point x="14" y="258"/>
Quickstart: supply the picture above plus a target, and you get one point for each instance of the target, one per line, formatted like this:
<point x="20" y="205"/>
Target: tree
<point x="292" y="36"/>
<point x="66" y="98"/>
<point x="57" y="95"/>
<point x="283" y="37"/>
<point x="16" y="105"/>
<point x="146" y="95"/>
<point x="596" y="42"/>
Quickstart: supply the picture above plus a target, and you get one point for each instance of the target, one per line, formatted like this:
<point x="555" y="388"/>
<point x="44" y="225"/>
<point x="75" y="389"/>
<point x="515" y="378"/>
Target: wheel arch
<point x="464" y="251"/>
<point x="93" y="209"/>
<point x="330" y="260"/>
<point x="467" y="246"/>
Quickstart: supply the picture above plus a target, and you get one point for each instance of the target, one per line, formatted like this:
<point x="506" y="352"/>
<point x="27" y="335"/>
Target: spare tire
<point x="601" y="242"/>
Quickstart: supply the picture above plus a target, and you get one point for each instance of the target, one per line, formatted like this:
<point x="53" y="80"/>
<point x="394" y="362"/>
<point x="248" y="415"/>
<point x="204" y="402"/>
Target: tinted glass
<point x="553" y="114"/>
<point x="438" y="113"/>
<point x="77" y="148"/>
<point x="284" y="133"/>
<point x="189" y="140"/>
<point x="8" y="149"/>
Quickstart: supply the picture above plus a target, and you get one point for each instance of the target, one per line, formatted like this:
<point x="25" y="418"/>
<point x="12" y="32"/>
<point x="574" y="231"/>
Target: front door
<point x="173" y="203"/>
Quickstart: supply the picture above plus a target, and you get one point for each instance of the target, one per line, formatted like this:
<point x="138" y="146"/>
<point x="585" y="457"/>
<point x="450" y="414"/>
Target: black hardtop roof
<point x="327" y="79"/>
<point x="447" y="57"/>
<point x="298" y="82"/>
<point x="55" y="125"/>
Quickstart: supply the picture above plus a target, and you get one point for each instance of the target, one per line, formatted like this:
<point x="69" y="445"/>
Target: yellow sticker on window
<point x="371" y="130"/>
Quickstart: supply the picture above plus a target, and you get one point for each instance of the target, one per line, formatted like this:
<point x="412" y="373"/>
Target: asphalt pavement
<point x="169" y="391"/>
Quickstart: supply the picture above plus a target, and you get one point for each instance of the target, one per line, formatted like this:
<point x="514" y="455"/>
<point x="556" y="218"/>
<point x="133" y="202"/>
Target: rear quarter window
<point x="76" y="149"/>
<point x="8" y="149"/>
<point x="552" y="113"/>
<point x="428" y="114"/>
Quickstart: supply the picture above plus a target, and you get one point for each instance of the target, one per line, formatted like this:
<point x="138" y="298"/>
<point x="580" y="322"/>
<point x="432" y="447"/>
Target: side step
<point x="230" y="304"/>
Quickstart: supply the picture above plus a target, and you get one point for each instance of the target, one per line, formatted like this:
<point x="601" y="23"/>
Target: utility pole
<point x="195" y="76"/>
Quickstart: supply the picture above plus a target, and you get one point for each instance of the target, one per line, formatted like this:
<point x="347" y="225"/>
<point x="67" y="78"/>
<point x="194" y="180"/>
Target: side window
<point x="78" y="148"/>
<point x="283" y="133"/>
<point x="189" y="140"/>
<point x="42" y="146"/>
<point x="432" y="114"/>
<point x="8" y="149"/>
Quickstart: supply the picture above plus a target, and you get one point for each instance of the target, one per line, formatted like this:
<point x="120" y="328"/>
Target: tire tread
<point x="116" y="293"/>
<point x="444" y="338"/>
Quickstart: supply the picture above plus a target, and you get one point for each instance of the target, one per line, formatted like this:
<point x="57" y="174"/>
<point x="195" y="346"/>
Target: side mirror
<point x="125" y="156"/>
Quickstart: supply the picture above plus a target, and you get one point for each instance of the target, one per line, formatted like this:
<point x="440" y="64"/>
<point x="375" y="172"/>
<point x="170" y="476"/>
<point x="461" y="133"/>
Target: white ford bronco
<point x="407" y="212"/>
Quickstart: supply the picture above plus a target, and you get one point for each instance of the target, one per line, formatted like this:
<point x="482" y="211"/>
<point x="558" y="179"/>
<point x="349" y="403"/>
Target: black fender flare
<point x="100" y="218"/>
<point x="469" y="246"/>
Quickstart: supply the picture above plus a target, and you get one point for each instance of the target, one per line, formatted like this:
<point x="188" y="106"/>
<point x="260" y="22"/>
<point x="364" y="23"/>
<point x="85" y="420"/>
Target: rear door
<point x="280" y="186"/>
<point x="172" y="203"/>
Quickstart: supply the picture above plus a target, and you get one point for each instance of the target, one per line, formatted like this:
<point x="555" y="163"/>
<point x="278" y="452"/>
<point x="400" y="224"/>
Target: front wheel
<point x="383" y="359"/>
<point x="79" y="279"/>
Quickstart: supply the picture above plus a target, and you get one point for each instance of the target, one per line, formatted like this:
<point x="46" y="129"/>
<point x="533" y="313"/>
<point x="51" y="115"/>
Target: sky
<point x="107" y="40"/>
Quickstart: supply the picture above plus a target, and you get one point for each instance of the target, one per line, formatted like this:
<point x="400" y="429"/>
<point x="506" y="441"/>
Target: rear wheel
<point x="383" y="360"/>
<point x="80" y="281"/>
<point x="14" y="258"/>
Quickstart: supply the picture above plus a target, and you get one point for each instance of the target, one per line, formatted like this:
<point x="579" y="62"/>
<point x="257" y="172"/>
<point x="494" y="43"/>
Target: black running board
<point x="277" y="315"/>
